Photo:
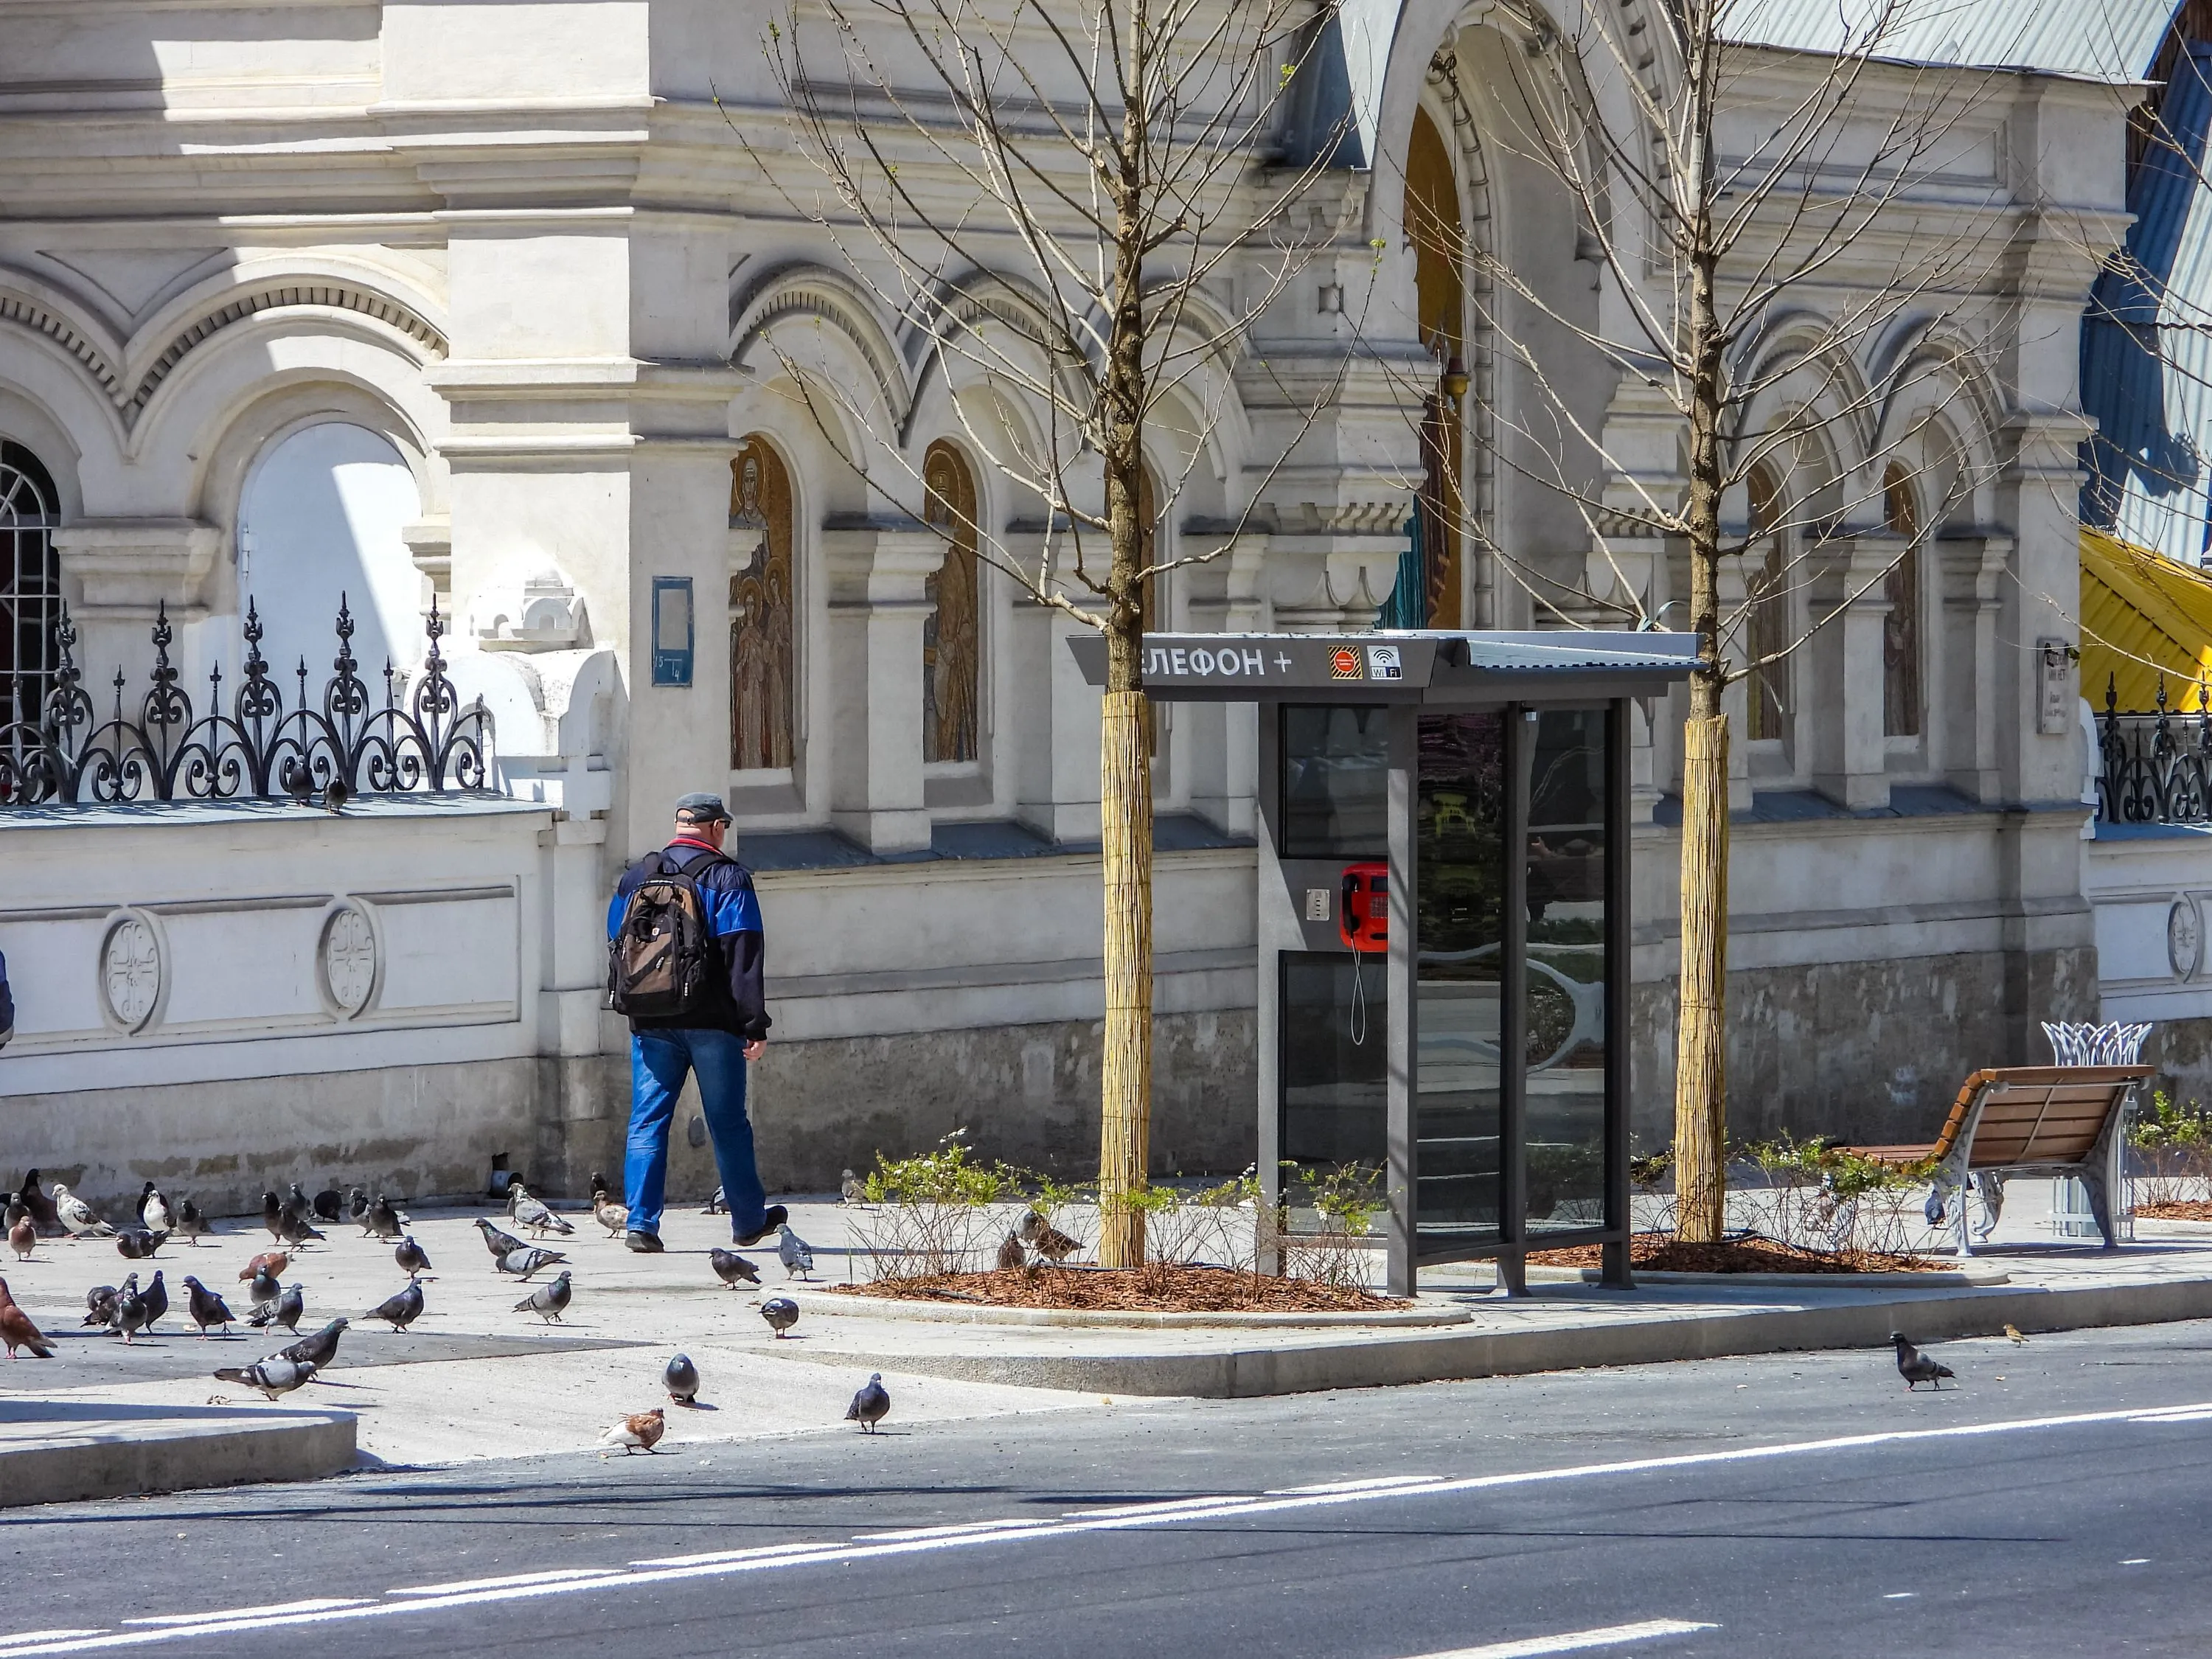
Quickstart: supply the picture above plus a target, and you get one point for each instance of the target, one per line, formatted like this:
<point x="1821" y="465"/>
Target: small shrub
<point x="931" y="1213"/>
<point x="2170" y="1151"/>
<point x="1345" y="1198"/>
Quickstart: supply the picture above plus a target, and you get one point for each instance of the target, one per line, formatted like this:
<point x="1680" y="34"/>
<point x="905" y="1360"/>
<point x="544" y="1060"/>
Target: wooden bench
<point x="2032" y="1119"/>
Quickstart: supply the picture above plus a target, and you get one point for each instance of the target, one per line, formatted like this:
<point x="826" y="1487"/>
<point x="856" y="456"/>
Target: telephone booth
<point x="1444" y="923"/>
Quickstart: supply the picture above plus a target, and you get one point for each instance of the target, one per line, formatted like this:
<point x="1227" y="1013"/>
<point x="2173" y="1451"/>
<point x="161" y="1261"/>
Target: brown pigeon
<point x="17" y="1331"/>
<point x="23" y="1236"/>
<point x="275" y="1260"/>
<point x="643" y="1430"/>
<point x="1047" y="1240"/>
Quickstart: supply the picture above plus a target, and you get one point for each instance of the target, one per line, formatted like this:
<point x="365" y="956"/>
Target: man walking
<point x="684" y="954"/>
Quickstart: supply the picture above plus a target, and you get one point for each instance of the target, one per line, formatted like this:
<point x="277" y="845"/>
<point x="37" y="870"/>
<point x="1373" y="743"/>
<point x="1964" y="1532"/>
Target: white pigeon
<point x="76" y="1215"/>
<point x="794" y="1251"/>
<point x="157" y="1214"/>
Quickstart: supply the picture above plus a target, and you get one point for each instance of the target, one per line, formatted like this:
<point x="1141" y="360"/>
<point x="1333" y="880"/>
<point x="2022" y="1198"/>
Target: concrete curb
<point x="1228" y="1373"/>
<point x="1952" y="1278"/>
<point x="854" y="1302"/>
<point x="59" y="1451"/>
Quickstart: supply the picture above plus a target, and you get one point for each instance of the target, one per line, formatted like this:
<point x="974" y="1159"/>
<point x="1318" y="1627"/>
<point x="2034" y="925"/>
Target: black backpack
<point x="662" y="959"/>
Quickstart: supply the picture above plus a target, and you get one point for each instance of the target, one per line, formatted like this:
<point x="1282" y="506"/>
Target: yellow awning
<point x="2143" y="618"/>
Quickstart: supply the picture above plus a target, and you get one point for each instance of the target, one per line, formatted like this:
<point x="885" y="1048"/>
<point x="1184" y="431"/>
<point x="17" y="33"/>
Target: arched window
<point x="761" y="611"/>
<point x="1900" y="630"/>
<point x="323" y="515"/>
<point x="952" y="637"/>
<point x="1767" y="591"/>
<point x="30" y="586"/>
<point x="1433" y="226"/>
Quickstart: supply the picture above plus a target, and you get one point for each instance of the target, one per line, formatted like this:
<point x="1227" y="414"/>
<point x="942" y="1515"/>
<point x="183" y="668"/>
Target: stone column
<point x="1849" y="754"/>
<point x="876" y="570"/>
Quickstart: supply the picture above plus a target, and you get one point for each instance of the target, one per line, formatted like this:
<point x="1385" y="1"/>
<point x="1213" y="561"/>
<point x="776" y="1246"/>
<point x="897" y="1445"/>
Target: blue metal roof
<point x="2147" y="341"/>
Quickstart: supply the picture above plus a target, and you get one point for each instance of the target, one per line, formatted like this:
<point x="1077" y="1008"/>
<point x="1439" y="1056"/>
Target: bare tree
<point x="1085" y="203"/>
<point x="1788" y="253"/>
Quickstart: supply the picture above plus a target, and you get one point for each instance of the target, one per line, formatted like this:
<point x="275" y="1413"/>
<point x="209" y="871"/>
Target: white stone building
<point x="492" y="301"/>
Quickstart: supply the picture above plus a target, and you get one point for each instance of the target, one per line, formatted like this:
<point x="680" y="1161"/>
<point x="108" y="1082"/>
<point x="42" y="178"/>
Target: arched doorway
<point x="761" y="612"/>
<point x="30" y="585"/>
<point x="1439" y="243"/>
<point x="323" y="514"/>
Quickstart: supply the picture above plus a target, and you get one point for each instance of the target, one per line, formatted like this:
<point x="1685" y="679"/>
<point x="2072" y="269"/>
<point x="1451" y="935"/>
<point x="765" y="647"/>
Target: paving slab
<point x="475" y="1378"/>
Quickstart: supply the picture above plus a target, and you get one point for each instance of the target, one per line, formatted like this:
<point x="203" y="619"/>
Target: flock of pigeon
<point x="131" y="1309"/>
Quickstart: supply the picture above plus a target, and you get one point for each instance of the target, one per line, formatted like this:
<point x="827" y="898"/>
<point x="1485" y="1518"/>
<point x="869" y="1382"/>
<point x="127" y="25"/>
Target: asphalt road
<point x="1799" y="1505"/>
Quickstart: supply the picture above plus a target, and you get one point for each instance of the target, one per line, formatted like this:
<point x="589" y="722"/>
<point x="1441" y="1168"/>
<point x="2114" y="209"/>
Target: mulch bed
<point x="2178" y="1209"/>
<point x="1656" y="1253"/>
<point x="1156" y="1289"/>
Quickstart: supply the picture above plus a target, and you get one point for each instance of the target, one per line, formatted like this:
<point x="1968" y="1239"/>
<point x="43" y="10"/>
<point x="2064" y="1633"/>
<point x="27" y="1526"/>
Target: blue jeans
<point x="658" y="1062"/>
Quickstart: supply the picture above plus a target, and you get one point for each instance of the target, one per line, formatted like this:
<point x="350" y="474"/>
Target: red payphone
<point x="1363" y="911"/>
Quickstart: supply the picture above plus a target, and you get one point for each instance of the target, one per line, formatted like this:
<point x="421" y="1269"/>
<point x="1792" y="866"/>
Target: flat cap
<point x="702" y="807"/>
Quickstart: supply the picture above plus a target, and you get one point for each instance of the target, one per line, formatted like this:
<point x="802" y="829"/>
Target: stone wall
<point x="1871" y="1051"/>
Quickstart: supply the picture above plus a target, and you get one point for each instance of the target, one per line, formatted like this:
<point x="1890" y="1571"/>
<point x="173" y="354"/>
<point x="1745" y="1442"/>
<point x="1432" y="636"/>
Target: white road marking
<point x="2137" y="1561"/>
<point x="557" y="1575"/>
<point x="13" y="1643"/>
<point x="1127" y="1517"/>
<point x="281" y="1610"/>
<point x="1902" y="1595"/>
<point x="1578" y="1641"/>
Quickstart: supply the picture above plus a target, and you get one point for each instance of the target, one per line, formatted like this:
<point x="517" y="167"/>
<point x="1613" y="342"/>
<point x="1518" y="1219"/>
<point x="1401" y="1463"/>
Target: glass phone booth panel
<point x="1459" y="813"/>
<point x="1564" y="1000"/>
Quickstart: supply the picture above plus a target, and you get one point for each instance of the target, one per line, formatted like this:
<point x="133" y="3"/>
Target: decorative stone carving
<point x="131" y="971"/>
<point x="349" y="960"/>
<point x="544" y="614"/>
<point x="2184" y="937"/>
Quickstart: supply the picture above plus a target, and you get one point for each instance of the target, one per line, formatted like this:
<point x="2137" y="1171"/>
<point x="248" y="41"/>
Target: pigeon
<point x="273" y="1377"/>
<point x="781" y="1314"/>
<point x="403" y="1310"/>
<point x="871" y="1406"/>
<point x="643" y="1431"/>
<point x="284" y="1310"/>
<point x="273" y="1261"/>
<point x="411" y="1256"/>
<point x="614" y="1217"/>
<point x="23" y="1236"/>
<point x="681" y="1377"/>
<point x="299" y="783"/>
<point x="330" y="1205"/>
<point x="599" y="1187"/>
<point x="1916" y="1367"/>
<point x="153" y="1210"/>
<point x="99" y="1305"/>
<point x="383" y="1220"/>
<point x="156" y="1299"/>
<point x="16" y="1330"/>
<point x="2013" y="1331"/>
<point x="190" y="1222"/>
<point x="44" y="1215"/>
<point x="206" y="1307"/>
<point x="297" y="1201"/>
<point x="357" y="1208"/>
<point x="129" y="1315"/>
<point x="499" y="1243"/>
<point x="732" y="1268"/>
<point x="532" y="1214"/>
<point x="548" y="1300"/>
<point x="76" y="1215"/>
<point x="1011" y="1253"/>
<point x="15" y="1210"/>
<point x="272" y="1215"/>
<point x="528" y="1260"/>
<point x="1047" y="1240"/>
<point x="134" y="1245"/>
<point x="1935" y="1209"/>
<point x="319" y="1349"/>
<point x="717" y="1204"/>
<point x="264" y="1289"/>
<point x="297" y="1231"/>
<point x="850" y="1190"/>
<point x="794" y="1251"/>
<point x="335" y="795"/>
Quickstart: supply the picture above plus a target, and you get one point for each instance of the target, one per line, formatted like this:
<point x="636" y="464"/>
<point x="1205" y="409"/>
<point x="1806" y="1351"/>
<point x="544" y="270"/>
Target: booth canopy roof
<point x="1425" y="666"/>
<point x="2146" y="622"/>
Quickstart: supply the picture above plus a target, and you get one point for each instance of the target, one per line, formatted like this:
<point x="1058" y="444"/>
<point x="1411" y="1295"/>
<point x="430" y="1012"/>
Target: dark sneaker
<point x="643" y="1243"/>
<point x="775" y="1216"/>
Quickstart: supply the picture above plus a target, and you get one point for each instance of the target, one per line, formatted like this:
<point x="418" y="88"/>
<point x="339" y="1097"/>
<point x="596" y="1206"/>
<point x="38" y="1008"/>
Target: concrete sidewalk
<point x="473" y="1378"/>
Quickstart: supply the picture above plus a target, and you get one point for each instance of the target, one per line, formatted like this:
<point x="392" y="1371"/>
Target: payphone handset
<point x="1363" y="912"/>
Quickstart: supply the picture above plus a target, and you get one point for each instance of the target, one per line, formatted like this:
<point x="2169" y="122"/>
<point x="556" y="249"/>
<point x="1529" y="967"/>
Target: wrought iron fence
<point x="2156" y="765"/>
<point x="317" y="753"/>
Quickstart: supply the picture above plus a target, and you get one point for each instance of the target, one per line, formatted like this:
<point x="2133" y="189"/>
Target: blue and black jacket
<point x="736" y="1002"/>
